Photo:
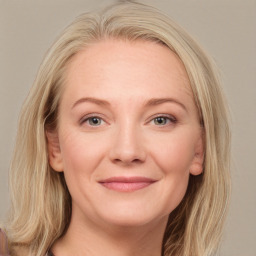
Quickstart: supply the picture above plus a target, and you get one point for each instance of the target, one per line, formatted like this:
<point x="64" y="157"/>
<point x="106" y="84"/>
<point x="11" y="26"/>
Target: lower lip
<point x="126" y="186"/>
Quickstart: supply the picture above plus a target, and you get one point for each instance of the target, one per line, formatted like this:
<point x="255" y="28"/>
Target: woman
<point x="123" y="143"/>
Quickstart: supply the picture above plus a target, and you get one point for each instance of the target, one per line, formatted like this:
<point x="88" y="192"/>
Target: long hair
<point x="41" y="204"/>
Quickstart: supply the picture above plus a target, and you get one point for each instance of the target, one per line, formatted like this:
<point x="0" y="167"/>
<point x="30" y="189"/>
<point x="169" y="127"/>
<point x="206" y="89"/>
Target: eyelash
<point x="167" y="118"/>
<point x="170" y="118"/>
<point x="88" y="118"/>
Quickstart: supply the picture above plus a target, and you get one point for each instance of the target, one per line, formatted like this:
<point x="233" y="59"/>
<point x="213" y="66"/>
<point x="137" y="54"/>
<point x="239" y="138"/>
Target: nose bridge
<point x="128" y="144"/>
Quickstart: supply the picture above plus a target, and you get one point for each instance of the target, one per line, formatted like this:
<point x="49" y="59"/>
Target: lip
<point x="127" y="184"/>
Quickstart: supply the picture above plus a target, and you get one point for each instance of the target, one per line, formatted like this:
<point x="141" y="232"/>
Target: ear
<point x="54" y="152"/>
<point x="196" y="167"/>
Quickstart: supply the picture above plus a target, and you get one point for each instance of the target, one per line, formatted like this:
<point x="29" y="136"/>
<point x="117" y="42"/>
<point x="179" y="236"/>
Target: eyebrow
<point x="158" y="101"/>
<point x="96" y="101"/>
<point x="149" y="103"/>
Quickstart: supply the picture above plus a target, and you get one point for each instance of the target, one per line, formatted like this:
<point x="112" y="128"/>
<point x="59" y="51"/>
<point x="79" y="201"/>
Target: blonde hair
<point x="41" y="204"/>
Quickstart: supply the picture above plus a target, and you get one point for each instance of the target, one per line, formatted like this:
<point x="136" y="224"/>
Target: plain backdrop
<point x="225" y="28"/>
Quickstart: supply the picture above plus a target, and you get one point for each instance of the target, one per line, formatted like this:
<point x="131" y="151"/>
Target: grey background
<point x="225" y="28"/>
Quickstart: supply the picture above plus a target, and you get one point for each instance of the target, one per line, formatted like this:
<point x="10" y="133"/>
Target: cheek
<point x="81" y="154"/>
<point x="174" y="153"/>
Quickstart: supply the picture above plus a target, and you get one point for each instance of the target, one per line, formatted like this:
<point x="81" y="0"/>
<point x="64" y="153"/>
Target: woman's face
<point x="129" y="133"/>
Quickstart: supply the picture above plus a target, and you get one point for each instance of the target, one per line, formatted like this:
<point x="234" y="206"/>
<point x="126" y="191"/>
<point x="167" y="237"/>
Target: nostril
<point x="127" y="161"/>
<point x="136" y="161"/>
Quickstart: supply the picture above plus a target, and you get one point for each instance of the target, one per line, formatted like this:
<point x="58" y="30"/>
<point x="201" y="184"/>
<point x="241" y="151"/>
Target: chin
<point x="131" y="215"/>
<point x="130" y="220"/>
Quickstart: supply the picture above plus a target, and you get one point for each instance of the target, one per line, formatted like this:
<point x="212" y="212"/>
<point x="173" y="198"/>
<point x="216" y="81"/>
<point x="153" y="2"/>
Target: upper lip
<point x="134" y="179"/>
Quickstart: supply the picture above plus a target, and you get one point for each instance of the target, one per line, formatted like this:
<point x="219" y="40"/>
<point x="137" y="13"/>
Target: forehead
<point x="116" y="66"/>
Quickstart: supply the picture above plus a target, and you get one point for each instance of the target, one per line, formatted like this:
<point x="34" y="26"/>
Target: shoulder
<point x="5" y="249"/>
<point x="3" y="244"/>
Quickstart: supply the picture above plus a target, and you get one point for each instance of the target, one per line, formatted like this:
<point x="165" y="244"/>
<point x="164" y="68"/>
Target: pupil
<point x="160" y="120"/>
<point x="95" y="120"/>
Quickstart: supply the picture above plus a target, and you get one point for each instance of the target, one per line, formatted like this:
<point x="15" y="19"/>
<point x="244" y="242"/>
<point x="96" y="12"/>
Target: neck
<point x="96" y="240"/>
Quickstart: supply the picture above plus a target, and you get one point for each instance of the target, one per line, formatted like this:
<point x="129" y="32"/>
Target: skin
<point x="124" y="139"/>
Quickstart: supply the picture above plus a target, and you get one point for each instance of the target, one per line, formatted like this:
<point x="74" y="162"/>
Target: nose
<point x="128" y="147"/>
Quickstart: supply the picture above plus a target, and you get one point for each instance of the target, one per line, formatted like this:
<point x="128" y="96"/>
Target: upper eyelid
<point x="166" y="115"/>
<point x="171" y="117"/>
<point x="86" y="117"/>
<point x="92" y="115"/>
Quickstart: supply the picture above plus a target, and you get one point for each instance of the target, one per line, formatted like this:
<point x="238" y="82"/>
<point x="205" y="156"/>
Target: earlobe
<point x="196" y="169"/>
<point x="198" y="161"/>
<point x="54" y="152"/>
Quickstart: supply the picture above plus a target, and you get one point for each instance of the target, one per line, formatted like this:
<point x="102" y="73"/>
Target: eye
<point x="92" y="121"/>
<point x="163" y="120"/>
